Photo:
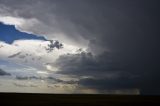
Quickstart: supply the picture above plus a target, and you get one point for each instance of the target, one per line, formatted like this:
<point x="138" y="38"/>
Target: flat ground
<point x="27" y="99"/>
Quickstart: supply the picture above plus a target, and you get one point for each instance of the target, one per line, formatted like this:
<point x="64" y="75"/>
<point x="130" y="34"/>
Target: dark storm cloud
<point x="124" y="34"/>
<point x="104" y="72"/>
<point x="85" y="64"/>
<point x="128" y="30"/>
<point x="3" y="73"/>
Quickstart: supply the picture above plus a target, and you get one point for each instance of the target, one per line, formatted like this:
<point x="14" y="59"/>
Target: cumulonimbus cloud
<point x="126" y="30"/>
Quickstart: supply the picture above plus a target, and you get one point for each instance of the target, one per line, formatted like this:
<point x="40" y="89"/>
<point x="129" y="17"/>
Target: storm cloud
<point x="121" y="37"/>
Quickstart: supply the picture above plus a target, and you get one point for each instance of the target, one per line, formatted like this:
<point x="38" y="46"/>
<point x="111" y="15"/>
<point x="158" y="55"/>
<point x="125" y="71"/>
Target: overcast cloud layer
<point x="119" y="40"/>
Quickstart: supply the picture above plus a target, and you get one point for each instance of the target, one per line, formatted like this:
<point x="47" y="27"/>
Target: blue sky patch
<point x="8" y="34"/>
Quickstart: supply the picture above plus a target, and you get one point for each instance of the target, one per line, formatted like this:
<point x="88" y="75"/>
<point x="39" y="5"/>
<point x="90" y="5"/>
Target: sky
<point x="7" y="30"/>
<point x="83" y="46"/>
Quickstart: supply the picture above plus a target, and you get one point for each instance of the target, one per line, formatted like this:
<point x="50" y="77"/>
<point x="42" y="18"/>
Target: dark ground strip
<point x="28" y="99"/>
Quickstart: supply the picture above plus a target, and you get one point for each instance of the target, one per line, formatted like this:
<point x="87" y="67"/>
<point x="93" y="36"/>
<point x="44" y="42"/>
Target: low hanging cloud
<point x="3" y="73"/>
<point x="87" y="64"/>
<point x="48" y="79"/>
<point x="103" y="72"/>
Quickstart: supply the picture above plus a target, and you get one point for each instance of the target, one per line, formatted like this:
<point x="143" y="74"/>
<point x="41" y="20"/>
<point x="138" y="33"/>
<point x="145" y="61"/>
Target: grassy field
<point x="26" y="99"/>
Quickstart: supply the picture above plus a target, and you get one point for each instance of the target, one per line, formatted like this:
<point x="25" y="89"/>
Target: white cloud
<point x="11" y="20"/>
<point x="33" y="53"/>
